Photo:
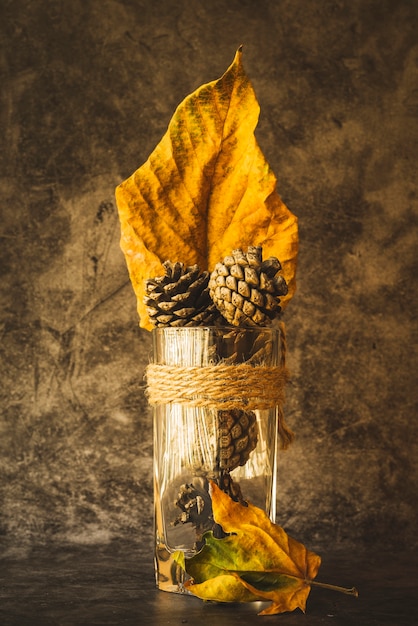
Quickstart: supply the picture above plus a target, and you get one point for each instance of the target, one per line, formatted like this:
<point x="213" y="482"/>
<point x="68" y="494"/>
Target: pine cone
<point x="246" y="289"/>
<point x="237" y="437"/>
<point x="180" y="297"/>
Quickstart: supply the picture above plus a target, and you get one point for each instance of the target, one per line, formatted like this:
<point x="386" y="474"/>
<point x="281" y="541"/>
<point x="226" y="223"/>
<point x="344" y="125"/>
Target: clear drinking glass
<point x="187" y="443"/>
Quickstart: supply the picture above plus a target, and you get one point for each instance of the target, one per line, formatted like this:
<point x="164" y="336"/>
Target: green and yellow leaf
<point x="205" y="190"/>
<point x="256" y="561"/>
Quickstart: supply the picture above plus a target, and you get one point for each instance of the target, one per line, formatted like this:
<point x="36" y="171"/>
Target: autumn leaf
<point x="256" y="561"/>
<point x="205" y="190"/>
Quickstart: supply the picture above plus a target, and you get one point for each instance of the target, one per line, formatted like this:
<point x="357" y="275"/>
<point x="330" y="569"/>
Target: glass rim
<point x="226" y="328"/>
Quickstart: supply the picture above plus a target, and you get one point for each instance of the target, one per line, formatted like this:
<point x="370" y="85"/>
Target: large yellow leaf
<point x="257" y="560"/>
<point x="205" y="190"/>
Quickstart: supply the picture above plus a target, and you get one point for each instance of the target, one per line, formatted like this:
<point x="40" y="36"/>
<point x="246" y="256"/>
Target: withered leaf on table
<point x="205" y="190"/>
<point x="256" y="561"/>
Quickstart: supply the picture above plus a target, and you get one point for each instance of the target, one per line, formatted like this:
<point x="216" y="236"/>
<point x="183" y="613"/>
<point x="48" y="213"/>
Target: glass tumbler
<point x="199" y="438"/>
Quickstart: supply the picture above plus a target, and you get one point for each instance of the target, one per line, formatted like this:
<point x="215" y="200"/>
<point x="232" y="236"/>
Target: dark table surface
<point x="114" y="584"/>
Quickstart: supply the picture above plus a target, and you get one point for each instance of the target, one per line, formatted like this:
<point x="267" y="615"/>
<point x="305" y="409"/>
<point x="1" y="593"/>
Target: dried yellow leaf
<point x="257" y="560"/>
<point x="205" y="190"/>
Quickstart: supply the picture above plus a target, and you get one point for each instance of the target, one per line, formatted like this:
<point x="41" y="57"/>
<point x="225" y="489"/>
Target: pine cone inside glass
<point x="246" y="289"/>
<point x="180" y="297"/>
<point x="237" y="437"/>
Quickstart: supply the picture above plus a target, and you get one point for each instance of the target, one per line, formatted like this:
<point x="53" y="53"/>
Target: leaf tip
<point x="238" y="55"/>
<point x="179" y="558"/>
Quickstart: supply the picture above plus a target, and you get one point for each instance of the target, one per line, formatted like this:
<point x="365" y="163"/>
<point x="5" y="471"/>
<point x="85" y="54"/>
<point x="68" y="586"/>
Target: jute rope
<point x="222" y="387"/>
<point x="217" y="386"/>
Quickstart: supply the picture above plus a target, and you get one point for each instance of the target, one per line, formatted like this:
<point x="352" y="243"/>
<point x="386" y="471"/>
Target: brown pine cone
<point x="180" y="297"/>
<point x="246" y="289"/>
<point x="237" y="437"/>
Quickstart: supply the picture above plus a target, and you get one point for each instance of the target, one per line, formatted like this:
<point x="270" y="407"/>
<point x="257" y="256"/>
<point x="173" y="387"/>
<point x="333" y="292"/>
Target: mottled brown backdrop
<point x="87" y="90"/>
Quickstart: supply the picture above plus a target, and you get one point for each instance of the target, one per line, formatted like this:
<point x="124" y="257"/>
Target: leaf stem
<point x="351" y="592"/>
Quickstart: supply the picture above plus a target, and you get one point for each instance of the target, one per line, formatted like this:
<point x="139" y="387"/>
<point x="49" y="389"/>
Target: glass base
<point x="169" y="576"/>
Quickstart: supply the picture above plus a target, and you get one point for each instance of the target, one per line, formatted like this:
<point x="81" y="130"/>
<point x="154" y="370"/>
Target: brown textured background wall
<point x="87" y="90"/>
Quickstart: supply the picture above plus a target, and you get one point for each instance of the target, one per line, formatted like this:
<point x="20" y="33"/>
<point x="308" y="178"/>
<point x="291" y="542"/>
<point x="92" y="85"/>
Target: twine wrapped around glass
<point x="217" y="394"/>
